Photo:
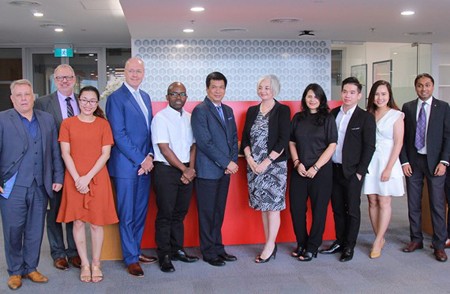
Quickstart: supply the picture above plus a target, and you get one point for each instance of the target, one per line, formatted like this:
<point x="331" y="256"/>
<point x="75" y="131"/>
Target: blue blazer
<point x="217" y="143"/>
<point x="14" y="143"/>
<point x="132" y="138"/>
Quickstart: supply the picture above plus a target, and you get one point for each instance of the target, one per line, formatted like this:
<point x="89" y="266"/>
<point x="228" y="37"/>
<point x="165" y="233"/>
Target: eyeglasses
<point x="132" y="71"/>
<point x="61" y="78"/>
<point x="176" y="94"/>
<point x="86" y="102"/>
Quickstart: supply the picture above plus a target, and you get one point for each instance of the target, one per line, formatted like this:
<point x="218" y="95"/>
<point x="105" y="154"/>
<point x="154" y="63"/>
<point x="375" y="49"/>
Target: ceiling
<point x="114" y="22"/>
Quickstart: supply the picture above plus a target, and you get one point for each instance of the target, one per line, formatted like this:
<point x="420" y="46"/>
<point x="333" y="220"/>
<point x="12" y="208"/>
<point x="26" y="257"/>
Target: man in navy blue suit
<point x="215" y="132"/>
<point x="129" y="112"/>
<point x="31" y="169"/>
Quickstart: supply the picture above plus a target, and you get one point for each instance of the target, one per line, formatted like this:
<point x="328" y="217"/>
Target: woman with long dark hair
<point x="312" y="143"/>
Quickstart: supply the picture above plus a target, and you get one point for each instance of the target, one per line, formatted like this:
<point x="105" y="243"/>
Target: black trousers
<point x="172" y="198"/>
<point x="211" y="201"/>
<point x="447" y="192"/>
<point x="319" y="191"/>
<point x="436" y="193"/>
<point x="346" y="202"/>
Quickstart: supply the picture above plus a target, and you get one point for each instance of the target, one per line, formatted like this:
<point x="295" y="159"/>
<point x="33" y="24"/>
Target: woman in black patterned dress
<point x="265" y="145"/>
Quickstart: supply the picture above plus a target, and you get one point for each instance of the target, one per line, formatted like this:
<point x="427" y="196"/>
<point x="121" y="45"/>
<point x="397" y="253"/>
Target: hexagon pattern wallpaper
<point x="295" y="62"/>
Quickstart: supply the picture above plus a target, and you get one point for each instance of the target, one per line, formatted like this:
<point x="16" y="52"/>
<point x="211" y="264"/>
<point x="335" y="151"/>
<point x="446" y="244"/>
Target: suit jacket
<point x="279" y="126"/>
<point x="14" y="144"/>
<point x="50" y="104"/>
<point x="359" y="142"/>
<point x="217" y="142"/>
<point x="438" y="133"/>
<point x="132" y="137"/>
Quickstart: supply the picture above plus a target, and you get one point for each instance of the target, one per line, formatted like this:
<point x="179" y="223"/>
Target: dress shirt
<point x="172" y="127"/>
<point x="31" y="126"/>
<point x="63" y="104"/>
<point x="342" y="121"/>
<point x="428" y="104"/>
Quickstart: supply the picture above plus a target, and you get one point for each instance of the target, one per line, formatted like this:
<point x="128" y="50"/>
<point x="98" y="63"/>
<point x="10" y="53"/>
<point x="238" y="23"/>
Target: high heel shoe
<point x="274" y="255"/>
<point x="375" y="254"/>
<point x="307" y="256"/>
<point x="298" y="251"/>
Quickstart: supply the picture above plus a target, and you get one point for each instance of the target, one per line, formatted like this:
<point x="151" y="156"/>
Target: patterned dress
<point x="266" y="190"/>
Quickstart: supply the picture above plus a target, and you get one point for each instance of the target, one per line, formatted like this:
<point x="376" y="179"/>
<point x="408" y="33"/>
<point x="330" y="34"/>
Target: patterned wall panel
<point x="296" y="63"/>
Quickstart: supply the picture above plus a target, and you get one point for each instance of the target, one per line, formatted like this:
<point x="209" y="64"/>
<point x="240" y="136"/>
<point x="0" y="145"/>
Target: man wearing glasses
<point x="129" y="112"/>
<point x="61" y="104"/>
<point x="173" y="143"/>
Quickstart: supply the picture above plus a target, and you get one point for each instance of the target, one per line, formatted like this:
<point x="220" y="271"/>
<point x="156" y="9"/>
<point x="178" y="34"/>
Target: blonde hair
<point x="19" y="83"/>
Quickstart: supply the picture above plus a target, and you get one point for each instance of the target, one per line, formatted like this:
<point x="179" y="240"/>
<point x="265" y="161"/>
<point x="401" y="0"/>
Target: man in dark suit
<point x="129" y="112"/>
<point x="61" y="104"/>
<point x="31" y="169"/>
<point x="354" y="150"/>
<point x="215" y="132"/>
<point x="426" y="154"/>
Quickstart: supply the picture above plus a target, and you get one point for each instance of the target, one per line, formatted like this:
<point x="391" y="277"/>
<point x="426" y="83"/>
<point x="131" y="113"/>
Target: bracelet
<point x="316" y="168"/>
<point x="296" y="160"/>
<point x="270" y="158"/>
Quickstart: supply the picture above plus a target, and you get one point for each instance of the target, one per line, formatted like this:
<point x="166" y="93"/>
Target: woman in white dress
<point x="385" y="177"/>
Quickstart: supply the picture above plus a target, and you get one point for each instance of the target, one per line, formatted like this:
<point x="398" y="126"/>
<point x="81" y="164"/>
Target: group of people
<point x="336" y="155"/>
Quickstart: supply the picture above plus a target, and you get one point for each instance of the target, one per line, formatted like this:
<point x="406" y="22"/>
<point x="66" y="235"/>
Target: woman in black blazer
<point x="265" y="146"/>
<point x="312" y="143"/>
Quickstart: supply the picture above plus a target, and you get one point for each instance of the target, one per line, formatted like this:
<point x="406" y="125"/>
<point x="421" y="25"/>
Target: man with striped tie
<point x="61" y="104"/>
<point x="426" y="154"/>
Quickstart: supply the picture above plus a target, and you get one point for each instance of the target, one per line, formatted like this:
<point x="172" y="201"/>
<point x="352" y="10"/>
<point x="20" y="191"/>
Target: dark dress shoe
<point x="298" y="251"/>
<point x="227" y="257"/>
<point x="182" y="256"/>
<point x="61" y="264"/>
<point x="166" y="265"/>
<point x="440" y="255"/>
<point x="135" y="269"/>
<point x="413" y="246"/>
<point x="347" y="255"/>
<point x="334" y="248"/>
<point x="307" y="256"/>
<point x="147" y="259"/>
<point x="215" y="261"/>
<point x="75" y="261"/>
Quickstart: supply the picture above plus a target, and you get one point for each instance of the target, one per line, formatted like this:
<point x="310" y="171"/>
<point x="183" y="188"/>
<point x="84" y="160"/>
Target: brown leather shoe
<point x="413" y="246"/>
<point x="147" y="259"/>
<point x="15" y="282"/>
<point x="135" y="270"/>
<point x="440" y="255"/>
<point x="61" y="263"/>
<point x="75" y="261"/>
<point x="37" y="277"/>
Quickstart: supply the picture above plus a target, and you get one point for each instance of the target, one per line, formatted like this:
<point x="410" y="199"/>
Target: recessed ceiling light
<point x="407" y="12"/>
<point x="38" y="14"/>
<point x="188" y="31"/>
<point x="59" y="30"/>
<point x="197" y="9"/>
<point x="284" y="20"/>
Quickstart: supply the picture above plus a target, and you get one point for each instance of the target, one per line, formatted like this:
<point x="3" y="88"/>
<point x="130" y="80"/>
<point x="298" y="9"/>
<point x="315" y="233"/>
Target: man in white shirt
<point x="174" y="147"/>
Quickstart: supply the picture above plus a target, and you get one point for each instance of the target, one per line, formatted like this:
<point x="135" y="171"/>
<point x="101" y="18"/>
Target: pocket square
<point x="355" y="129"/>
<point x="230" y="118"/>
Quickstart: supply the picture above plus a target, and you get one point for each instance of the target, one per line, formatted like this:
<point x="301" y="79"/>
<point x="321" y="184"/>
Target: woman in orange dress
<point x="86" y="142"/>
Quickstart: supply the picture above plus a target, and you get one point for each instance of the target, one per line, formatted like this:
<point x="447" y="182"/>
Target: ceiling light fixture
<point x="188" y="31"/>
<point x="407" y="12"/>
<point x="197" y="9"/>
<point x="38" y="14"/>
<point x="59" y="30"/>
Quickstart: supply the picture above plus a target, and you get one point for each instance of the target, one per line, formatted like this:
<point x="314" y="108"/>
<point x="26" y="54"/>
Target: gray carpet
<point x="394" y="272"/>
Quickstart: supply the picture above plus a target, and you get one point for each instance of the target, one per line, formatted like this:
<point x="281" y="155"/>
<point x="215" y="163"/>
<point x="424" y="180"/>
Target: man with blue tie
<point x="426" y="154"/>
<point x="215" y="132"/>
<point x="31" y="169"/>
<point x="129" y="112"/>
<point x="61" y="104"/>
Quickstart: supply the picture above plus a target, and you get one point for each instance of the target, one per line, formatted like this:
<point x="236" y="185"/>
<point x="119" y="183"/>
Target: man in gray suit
<point x="30" y="170"/>
<point x="61" y="104"/>
<point x="426" y="154"/>
<point x="215" y="132"/>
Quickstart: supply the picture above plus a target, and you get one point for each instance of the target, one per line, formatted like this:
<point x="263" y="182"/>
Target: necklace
<point x="267" y="109"/>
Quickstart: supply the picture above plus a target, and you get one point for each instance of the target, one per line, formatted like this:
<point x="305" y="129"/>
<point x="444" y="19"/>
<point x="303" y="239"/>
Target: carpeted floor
<point x="394" y="272"/>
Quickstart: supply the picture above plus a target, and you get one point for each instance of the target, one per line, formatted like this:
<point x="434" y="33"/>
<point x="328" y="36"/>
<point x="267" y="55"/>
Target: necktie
<point x="421" y="128"/>
<point x="69" y="107"/>
<point x="220" y="110"/>
<point x="141" y="104"/>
